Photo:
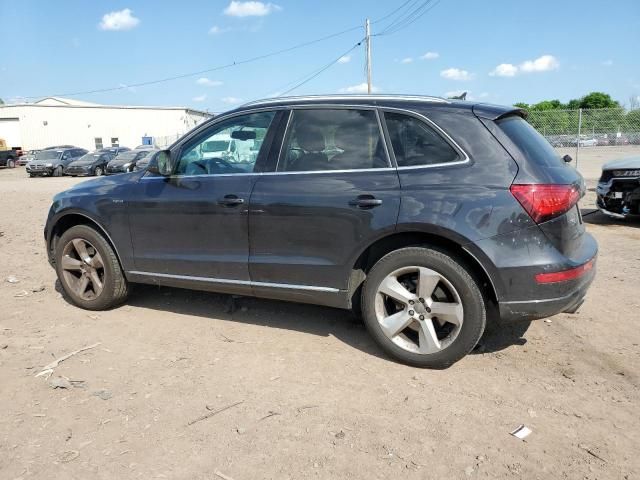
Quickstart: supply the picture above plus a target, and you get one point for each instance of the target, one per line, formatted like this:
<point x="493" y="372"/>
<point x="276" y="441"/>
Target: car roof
<point x="408" y="102"/>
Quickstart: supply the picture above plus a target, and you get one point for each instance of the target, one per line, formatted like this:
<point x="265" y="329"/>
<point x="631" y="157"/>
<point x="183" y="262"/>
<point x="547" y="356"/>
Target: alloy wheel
<point x="98" y="171"/>
<point x="419" y="310"/>
<point x="83" y="269"/>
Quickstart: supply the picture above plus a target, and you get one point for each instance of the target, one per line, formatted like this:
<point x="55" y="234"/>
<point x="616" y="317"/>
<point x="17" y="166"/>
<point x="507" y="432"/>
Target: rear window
<point x="532" y="145"/>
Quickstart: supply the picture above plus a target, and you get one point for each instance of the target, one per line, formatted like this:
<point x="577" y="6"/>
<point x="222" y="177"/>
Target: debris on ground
<point x="22" y="293"/>
<point x="69" y="456"/>
<point x="48" y="369"/>
<point x="39" y="288"/>
<point x="521" y="432"/>
<point x="222" y="475"/>
<point x="103" y="394"/>
<point x="3" y="346"/>
<point x="270" y="414"/>
<point x="12" y="279"/>
<point x="591" y="452"/>
<point x="60" y="382"/>
<point x="214" y="412"/>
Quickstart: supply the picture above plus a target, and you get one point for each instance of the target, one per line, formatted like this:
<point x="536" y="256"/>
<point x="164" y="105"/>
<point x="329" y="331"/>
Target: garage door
<point x="10" y="132"/>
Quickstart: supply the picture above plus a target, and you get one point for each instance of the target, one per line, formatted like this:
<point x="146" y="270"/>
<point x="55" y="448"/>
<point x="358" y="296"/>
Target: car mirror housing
<point x="161" y="163"/>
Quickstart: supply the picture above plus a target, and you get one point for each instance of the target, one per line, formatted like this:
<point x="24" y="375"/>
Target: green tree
<point x="522" y="105"/>
<point x="547" y="105"/>
<point x="598" y="100"/>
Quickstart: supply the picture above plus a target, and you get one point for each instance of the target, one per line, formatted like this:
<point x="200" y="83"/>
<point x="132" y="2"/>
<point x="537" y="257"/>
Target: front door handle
<point x="365" y="201"/>
<point x="231" y="201"/>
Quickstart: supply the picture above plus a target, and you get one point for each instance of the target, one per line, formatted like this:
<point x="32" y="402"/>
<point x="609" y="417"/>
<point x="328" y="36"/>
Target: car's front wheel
<point x="58" y="171"/>
<point x="98" y="172"/>
<point x="88" y="269"/>
<point x="423" y="307"/>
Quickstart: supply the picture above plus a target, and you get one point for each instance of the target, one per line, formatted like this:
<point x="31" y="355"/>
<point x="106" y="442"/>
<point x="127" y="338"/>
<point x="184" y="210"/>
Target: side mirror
<point x="161" y="164"/>
<point x="567" y="159"/>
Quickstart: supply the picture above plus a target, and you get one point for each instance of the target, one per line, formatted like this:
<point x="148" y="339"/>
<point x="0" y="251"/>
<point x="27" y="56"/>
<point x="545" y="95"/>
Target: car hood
<point x="78" y="163"/>
<point x="101" y="185"/>
<point x="631" y="162"/>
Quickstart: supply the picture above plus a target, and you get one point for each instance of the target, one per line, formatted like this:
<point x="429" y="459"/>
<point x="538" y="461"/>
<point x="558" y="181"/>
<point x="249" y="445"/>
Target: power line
<point x="410" y="18"/>
<point x="200" y="72"/>
<point x="326" y="67"/>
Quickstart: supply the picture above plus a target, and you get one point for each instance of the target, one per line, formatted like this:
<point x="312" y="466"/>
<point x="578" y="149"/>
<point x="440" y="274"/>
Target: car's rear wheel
<point x="11" y="163"/>
<point x="57" y="172"/>
<point x="423" y="307"/>
<point x="98" y="171"/>
<point x="88" y="269"/>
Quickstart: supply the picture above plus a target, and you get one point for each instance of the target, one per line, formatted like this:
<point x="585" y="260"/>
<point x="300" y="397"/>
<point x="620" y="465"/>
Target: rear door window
<point x="415" y="143"/>
<point x="333" y="139"/>
<point x="532" y="145"/>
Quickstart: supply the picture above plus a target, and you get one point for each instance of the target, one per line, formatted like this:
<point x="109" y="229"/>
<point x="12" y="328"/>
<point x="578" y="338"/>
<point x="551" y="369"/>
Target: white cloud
<point x="406" y="60"/>
<point x="504" y="70"/>
<point x="231" y="100"/>
<point x="607" y="63"/>
<point x="199" y="98"/>
<point x="456" y="74"/>
<point x="430" y="56"/>
<point x="360" y="88"/>
<point x="120" y="20"/>
<point x="544" y="63"/>
<point x="206" y="82"/>
<point x="345" y="59"/>
<point x="250" y="9"/>
<point x="216" y="30"/>
<point x="540" y="64"/>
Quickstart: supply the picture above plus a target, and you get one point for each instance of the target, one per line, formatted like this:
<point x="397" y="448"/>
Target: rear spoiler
<point x="496" y="112"/>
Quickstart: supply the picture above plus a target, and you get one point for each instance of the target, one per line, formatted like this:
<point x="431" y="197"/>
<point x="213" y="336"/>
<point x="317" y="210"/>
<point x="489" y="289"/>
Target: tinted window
<point x="49" y="154"/>
<point x="416" y="143"/>
<point x="327" y="139"/>
<point x="532" y="145"/>
<point x="204" y="155"/>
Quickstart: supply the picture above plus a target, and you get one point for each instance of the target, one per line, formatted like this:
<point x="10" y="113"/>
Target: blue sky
<point x="501" y="51"/>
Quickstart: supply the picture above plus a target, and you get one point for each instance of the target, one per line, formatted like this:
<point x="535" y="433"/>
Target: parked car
<point x="8" y="156"/>
<point x="126" y="161"/>
<point x="618" y="190"/>
<point x="26" y="157"/>
<point x="602" y="141"/>
<point x="52" y="162"/>
<point x="94" y="163"/>
<point x="144" y="147"/>
<point x="588" y="142"/>
<point x="426" y="216"/>
<point x="143" y="163"/>
<point x="114" y="150"/>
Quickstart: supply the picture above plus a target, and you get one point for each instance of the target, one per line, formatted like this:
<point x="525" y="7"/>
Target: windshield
<point x="127" y="156"/>
<point x="533" y="145"/>
<point x="49" y="154"/>
<point x="89" y="157"/>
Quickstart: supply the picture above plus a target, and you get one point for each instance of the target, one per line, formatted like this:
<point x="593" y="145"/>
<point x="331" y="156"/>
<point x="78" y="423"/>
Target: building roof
<point x="60" y="102"/>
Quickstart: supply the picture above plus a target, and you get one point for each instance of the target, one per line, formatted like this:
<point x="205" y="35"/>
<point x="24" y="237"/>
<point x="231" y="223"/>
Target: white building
<point x="61" y="121"/>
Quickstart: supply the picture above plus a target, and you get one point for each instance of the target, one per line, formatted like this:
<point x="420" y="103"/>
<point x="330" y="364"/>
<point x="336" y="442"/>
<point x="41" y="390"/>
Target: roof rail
<point x="415" y="98"/>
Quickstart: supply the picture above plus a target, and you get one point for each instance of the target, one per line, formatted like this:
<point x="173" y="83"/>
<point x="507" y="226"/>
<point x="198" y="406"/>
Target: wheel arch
<point x="462" y="251"/>
<point x="71" y="219"/>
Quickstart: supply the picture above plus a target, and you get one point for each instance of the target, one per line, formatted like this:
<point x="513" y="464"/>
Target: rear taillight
<point x="544" y="202"/>
<point x="564" y="275"/>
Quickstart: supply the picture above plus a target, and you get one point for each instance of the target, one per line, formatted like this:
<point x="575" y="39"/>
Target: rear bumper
<point x="547" y="307"/>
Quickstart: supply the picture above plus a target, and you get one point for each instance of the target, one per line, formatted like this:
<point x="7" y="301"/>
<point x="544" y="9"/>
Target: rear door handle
<point x="231" y="201"/>
<point x="365" y="201"/>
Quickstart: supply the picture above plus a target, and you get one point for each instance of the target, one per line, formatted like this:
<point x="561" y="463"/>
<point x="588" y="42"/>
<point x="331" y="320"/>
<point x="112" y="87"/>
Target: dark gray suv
<point x="422" y="214"/>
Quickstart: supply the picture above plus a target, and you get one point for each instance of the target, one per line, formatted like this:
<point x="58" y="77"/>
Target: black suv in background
<point x="126" y="161"/>
<point x="52" y="161"/>
<point x="420" y="213"/>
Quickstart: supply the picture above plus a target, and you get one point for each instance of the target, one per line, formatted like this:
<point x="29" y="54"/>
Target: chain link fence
<point x="590" y="135"/>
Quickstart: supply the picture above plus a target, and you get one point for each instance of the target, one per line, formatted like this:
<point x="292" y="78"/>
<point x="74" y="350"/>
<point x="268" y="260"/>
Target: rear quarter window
<point x="532" y="145"/>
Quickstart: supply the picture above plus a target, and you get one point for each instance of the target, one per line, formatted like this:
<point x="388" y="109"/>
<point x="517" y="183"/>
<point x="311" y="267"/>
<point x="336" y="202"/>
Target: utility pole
<point x="367" y="28"/>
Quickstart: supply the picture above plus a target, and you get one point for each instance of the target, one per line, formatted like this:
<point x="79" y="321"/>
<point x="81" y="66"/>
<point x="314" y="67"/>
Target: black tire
<point x="115" y="286"/>
<point x="57" y="172"/>
<point x="98" y="172"/>
<point x="11" y="163"/>
<point x="474" y="310"/>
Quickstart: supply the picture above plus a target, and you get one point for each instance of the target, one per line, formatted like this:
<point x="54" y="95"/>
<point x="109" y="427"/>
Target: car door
<point x="333" y="192"/>
<point x="193" y="224"/>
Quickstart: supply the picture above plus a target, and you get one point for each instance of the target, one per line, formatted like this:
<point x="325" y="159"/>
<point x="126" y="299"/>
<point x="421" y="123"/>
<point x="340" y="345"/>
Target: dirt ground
<point x="318" y="399"/>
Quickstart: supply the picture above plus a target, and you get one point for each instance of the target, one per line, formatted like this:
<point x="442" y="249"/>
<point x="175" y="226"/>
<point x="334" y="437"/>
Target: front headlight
<point x="49" y="165"/>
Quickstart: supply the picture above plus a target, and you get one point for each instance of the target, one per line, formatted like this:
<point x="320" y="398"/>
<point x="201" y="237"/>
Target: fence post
<point x="578" y="139"/>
